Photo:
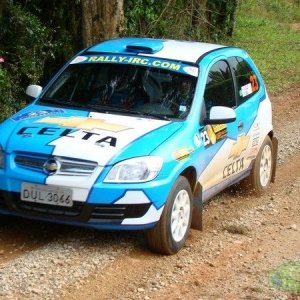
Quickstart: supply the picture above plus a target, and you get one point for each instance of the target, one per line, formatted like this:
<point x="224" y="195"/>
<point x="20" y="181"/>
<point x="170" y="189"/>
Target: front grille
<point x="30" y="162"/>
<point x="52" y="210"/>
<point x="119" y="211"/>
<point x="66" y="166"/>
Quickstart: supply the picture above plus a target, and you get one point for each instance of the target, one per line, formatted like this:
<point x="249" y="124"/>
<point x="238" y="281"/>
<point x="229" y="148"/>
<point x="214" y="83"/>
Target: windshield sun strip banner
<point x="139" y="61"/>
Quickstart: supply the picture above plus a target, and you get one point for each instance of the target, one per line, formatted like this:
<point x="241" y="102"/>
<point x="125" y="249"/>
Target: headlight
<point x="139" y="169"/>
<point x="1" y="158"/>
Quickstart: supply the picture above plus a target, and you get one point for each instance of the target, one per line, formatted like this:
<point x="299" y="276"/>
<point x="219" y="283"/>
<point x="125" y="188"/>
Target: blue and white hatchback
<point x="137" y="133"/>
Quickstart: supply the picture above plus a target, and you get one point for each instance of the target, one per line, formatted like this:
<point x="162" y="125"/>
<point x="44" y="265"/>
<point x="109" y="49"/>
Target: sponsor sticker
<point x="139" y="60"/>
<point x="194" y="71"/>
<point x="37" y="113"/>
<point x="78" y="59"/>
<point x="182" y="153"/>
<point x="246" y="90"/>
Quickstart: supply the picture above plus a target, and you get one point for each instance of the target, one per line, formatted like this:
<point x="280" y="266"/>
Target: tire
<point x="262" y="170"/>
<point x="171" y="232"/>
<point x="4" y="220"/>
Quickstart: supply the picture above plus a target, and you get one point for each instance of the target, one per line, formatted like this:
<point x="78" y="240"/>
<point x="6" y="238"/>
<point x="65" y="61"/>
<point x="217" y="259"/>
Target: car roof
<point x="186" y="51"/>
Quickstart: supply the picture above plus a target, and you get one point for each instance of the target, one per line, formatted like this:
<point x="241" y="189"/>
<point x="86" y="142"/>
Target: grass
<point x="269" y="30"/>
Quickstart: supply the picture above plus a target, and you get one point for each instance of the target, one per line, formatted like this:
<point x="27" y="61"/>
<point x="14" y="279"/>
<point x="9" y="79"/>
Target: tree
<point x="101" y="20"/>
<point x="38" y="36"/>
<point x="2" y="7"/>
<point x="221" y="16"/>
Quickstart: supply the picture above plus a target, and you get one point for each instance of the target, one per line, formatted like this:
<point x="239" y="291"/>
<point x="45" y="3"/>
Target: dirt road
<point x="245" y="238"/>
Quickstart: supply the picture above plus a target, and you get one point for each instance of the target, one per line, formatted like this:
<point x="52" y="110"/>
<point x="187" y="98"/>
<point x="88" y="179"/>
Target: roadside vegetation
<point x="35" y="40"/>
<point x="270" y="32"/>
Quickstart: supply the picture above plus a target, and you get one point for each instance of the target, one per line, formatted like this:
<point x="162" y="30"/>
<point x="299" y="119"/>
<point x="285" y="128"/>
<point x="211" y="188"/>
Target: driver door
<point x="219" y="163"/>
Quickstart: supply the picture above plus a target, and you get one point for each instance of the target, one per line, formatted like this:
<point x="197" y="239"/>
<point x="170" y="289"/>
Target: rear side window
<point x="247" y="83"/>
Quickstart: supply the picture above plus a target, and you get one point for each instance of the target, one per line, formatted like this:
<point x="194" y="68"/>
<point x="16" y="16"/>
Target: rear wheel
<point x="171" y="232"/>
<point x="261" y="173"/>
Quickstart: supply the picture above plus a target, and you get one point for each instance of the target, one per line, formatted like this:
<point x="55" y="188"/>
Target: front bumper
<point x="101" y="216"/>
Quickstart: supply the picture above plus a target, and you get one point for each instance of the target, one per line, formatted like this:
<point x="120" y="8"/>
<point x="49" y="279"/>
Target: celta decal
<point x="84" y="123"/>
<point x="32" y="130"/>
<point x="233" y="168"/>
<point x="96" y="138"/>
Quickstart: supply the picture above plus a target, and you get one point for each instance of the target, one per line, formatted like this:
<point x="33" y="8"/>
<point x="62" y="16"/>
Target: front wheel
<point x="262" y="171"/>
<point x="171" y="232"/>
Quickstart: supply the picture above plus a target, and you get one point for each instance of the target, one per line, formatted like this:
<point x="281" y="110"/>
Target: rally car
<point x="137" y="133"/>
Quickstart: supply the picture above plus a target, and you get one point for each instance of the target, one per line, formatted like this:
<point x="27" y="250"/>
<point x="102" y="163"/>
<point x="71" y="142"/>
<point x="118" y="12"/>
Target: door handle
<point x="240" y="126"/>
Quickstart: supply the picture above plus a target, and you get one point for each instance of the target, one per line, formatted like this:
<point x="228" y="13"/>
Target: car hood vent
<point x="149" y="47"/>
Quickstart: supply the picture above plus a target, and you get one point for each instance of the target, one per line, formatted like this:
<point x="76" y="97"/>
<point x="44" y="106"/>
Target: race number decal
<point x="205" y="138"/>
<point x="212" y="134"/>
<point x="254" y="83"/>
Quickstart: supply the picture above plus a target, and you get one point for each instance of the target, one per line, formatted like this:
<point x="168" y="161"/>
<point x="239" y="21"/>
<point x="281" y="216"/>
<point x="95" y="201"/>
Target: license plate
<point x="52" y="195"/>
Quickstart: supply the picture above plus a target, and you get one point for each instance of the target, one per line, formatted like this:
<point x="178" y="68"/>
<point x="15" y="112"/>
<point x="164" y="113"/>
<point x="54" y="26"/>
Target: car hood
<point x="103" y="138"/>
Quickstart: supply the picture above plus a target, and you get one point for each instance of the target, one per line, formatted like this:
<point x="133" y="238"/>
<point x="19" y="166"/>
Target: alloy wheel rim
<point x="265" y="166"/>
<point x="180" y="216"/>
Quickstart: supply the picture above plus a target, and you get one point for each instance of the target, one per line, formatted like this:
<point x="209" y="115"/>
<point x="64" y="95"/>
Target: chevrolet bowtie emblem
<point x="240" y="146"/>
<point x="51" y="166"/>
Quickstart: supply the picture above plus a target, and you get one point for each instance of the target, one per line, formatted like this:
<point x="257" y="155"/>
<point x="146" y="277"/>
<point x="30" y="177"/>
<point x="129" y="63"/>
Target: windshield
<point x="123" y="88"/>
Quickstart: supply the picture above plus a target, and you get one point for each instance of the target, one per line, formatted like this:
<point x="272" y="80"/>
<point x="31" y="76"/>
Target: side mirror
<point x="33" y="90"/>
<point x="220" y="115"/>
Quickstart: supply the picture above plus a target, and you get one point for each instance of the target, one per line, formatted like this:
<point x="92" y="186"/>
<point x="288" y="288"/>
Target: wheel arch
<point x="191" y="175"/>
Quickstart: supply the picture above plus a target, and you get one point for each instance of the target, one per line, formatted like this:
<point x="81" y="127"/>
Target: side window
<point x="247" y="83"/>
<point x="219" y="88"/>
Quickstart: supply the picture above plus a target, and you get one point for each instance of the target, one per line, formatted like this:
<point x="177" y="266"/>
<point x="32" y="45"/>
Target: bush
<point x="181" y="19"/>
<point x="7" y="100"/>
<point x="24" y="54"/>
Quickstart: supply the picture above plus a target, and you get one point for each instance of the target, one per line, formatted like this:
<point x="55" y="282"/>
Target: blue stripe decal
<point x="263" y="97"/>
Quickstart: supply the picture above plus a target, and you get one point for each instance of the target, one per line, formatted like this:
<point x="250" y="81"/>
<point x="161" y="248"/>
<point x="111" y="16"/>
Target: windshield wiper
<point x="102" y="108"/>
<point x="66" y="103"/>
<point x="156" y="116"/>
<point x="51" y="101"/>
<point x="61" y="103"/>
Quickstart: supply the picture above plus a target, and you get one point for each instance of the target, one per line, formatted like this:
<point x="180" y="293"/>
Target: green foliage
<point x="142" y="18"/>
<point x="221" y="17"/>
<point x="26" y="53"/>
<point x="180" y="19"/>
<point x="63" y="20"/>
<point x="25" y="47"/>
<point x="278" y="10"/>
<point x="6" y="100"/>
<point x="266" y="31"/>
